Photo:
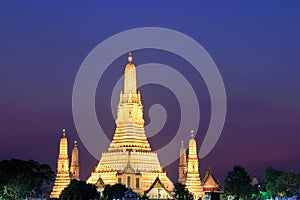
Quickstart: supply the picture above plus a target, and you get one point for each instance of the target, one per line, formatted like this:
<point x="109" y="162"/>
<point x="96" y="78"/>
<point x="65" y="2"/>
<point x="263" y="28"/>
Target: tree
<point x="237" y="183"/>
<point x="114" y="192"/>
<point x="80" y="190"/>
<point x="279" y="183"/>
<point x="180" y="192"/>
<point x="19" y="179"/>
<point x="270" y="177"/>
<point x="286" y="184"/>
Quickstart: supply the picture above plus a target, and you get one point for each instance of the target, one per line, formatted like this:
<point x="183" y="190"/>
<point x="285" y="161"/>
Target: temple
<point x="129" y="159"/>
<point x="64" y="174"/>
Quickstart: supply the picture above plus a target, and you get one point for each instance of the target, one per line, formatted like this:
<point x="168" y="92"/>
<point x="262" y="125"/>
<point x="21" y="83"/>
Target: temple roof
<point x="210" y="183"/>
<point x="100" y="183"/>
<point x="158" y="184"/>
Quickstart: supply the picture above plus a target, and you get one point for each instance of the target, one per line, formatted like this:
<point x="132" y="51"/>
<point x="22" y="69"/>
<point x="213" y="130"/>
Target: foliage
<point x="19" y="179"/>
<point x="181" y="192"/>
<point x="237" y="183"/>
<point x="281" y="184"/>
<point x="270" y="177"/>
<point x="79" y="190"/>
<point x="114" y="192"/>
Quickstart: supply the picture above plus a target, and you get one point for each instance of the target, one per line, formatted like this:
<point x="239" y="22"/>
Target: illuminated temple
<point x="129" y="159"/>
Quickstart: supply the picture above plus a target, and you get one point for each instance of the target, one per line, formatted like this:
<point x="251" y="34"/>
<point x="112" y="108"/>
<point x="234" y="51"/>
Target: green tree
<point x="270" y="177"/>
<point x="19" y="179"/>
<point x="237" y="183"/>
<point x="114" y="192"/>
<point x="286" y="184"/>
<point x="282" y="184"/>
<point x="80" y="190"/>
<point x="181" y="192"/>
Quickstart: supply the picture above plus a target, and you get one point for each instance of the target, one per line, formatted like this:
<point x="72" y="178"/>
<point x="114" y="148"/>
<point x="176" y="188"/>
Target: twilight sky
<point x="255" y="45"/>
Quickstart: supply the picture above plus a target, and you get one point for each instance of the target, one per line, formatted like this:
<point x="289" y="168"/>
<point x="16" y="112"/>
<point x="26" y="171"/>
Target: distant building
<point x="254" y="180"/>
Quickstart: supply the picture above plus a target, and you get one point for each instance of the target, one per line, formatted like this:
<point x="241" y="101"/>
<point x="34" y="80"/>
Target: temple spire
<point x="63" y="148"/>
<point x="182" y="168"/>
<point x="74" y="169"/>
<point x="62" y="176"/>
<point x="193" y="182"/>
<point x="130" y="78"/>
<point x="130" y="132"/>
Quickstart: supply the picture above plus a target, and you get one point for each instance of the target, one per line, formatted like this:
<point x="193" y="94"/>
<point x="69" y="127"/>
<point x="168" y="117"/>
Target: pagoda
<point x="74" y="168"/>
<point x="193" y="181"/>
<point x="65" y="173"/>
<point x="188" y="174"/>
<point x="129" y="159"/>
<point x="182" y="168"/>
<point x="62" y="179"/>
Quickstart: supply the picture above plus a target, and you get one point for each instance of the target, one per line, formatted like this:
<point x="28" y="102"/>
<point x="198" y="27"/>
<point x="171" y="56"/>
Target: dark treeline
<point x="21" y="179"/>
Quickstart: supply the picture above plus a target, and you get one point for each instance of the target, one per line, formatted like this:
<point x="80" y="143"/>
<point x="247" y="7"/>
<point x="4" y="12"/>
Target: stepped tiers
<point x="64" y="174"/>
<point x="188" y="174"/>
<point x="193" y="182"/>
<point x="74" y="169"/>
<point x="182" y="168"/>
<point x="129" y="159"/>
<point x="62" y="179"/>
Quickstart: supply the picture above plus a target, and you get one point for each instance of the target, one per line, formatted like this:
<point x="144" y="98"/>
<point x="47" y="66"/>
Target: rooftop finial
<point x="75" y="143"/>
<point x="130" y="57"/>
<point x="182" y="144"/>
<point x="192" y="133"/>
<point x="64" y="132"/>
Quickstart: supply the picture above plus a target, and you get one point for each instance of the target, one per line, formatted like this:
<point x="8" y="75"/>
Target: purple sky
<point x="255" y="46"/>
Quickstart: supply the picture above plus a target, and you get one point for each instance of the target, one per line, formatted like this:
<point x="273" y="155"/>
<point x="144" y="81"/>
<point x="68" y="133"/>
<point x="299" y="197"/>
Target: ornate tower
<point x="129" y="159"/>
<point x="193" y="182"/>
<point x="62" y="177"/>
<point x="182" y="168"/>
<point x="74" y="169"/>
<point x="130" y="134"/>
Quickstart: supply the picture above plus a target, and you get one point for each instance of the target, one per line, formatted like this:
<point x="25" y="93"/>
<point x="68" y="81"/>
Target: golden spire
<point x="74" y="169"/>
<point x="129" y="159"/>
<point x="130" y="133"/>
<point x="193" y="182"/>
<point x="63" y="175"/>
<point x="182" y="168"/>
<point x="63" y="146"/>
<point x="130" y="79"/>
